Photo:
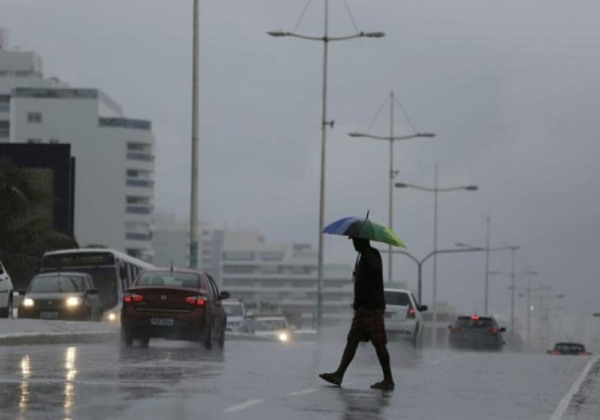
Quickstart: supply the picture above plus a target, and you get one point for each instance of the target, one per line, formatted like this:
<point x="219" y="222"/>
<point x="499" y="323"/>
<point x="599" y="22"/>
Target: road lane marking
<point x="305" y="391"/>
<point x="566" y="400"/>
<point x="243" y="406"/>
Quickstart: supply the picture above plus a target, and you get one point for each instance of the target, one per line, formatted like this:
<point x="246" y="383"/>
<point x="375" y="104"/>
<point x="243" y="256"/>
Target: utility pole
<point x="487" y="267"/>
<point x="194" y="180"/>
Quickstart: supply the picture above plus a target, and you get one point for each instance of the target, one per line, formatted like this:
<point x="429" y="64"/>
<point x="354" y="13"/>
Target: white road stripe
<point x="306" y="391"/>
<point x="566" y="400"/>
<point x="242" y="406"/>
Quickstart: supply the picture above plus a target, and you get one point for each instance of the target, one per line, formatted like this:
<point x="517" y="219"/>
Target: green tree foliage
<point x="25" y="233"/>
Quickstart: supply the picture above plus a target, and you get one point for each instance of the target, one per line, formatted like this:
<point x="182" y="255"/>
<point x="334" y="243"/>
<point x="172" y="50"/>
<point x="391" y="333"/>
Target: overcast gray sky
<point x="511" y="88"/>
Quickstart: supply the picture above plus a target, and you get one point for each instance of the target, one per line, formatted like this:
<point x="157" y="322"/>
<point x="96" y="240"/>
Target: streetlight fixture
<point x="436" y="190"/>
<point x="325" y="39"/>
<point x="391" y="138"/>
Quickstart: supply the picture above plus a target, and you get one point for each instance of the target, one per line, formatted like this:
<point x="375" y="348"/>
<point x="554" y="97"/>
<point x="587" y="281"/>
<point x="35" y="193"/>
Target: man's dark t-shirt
<point x="368" y="281"/>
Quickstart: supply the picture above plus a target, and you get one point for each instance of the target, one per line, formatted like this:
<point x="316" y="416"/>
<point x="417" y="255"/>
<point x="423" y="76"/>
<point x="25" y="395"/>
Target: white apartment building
<point x="114" y="155"/>
<point x="284" y="276"/>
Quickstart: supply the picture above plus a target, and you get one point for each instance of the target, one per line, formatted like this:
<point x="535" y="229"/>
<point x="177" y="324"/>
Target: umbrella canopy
<point x="364" y="228"/>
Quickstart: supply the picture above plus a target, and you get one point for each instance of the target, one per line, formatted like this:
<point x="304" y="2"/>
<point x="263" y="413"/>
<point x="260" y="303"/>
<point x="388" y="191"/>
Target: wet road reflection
<point x="74" y="382"/>
<point x="364" y="405"/>
<point x="24" y="397"/>
<point x="258" y="380"/>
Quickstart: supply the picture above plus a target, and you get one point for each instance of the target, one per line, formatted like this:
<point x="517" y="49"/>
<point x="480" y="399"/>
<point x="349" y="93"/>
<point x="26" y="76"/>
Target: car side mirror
<point x="502" y="329"/>
<point x="449" y="327"/>
<point x="423" y="308"/>
<point x="224" y="295"/>
<point x="22" y="292"/>
<point x="549" y="351"/>
<point x="93" y="291"/>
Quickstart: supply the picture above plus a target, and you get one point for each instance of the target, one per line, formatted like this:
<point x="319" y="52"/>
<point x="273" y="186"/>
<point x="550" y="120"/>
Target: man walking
<point x="368" y="322"/>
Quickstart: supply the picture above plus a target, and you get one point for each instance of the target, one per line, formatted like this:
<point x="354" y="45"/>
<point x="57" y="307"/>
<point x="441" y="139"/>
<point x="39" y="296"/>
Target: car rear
<point x="168" y="312"/>
<point x="475" y="332"/>
<point x="401" y="318"/>
<point x="574" y="349"/>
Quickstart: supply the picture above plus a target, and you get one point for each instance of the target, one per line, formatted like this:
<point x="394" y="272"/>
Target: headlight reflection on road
<point x="25" y="373"/>
<point x="70" y="367"/>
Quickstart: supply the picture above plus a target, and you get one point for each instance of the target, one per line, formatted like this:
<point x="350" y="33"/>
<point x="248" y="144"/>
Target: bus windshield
<point x="105" y="280"/>
<point x="55" y="284"/>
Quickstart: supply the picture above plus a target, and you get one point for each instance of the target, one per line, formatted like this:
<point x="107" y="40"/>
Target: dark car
<point x="476" y="332"/>
<point x="63" y="295"/>
<point x="177" y="304"/>
<point x="568" y="348"/>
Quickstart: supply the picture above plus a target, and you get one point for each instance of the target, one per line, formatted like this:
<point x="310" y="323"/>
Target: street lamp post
<point x="391" y="138"/>
<point x="513" y="252"/>
<point x="194" y="169"/>
<point x="436" y="190"/>
<point x="326" y="39"/>
<point x="528" y="290"/>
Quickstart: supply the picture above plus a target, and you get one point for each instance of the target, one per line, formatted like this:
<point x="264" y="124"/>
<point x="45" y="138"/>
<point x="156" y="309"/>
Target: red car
<point x="569" y="348"/>
<point x="176" y="304"/>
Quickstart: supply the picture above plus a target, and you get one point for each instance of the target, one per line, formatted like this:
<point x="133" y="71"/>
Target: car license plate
<point x="49" y="315"/>
<point x="162" y="321"/>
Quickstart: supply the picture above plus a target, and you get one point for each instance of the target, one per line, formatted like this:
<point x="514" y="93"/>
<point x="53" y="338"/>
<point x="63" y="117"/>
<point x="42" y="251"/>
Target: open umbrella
<point x="364" y="228"/>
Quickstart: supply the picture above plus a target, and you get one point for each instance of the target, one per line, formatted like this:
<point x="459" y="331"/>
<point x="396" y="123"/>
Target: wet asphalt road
<point x="268" y="380"/>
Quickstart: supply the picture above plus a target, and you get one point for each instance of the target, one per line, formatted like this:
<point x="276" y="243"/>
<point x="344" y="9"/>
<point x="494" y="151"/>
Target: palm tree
<point x="26" y="234"/>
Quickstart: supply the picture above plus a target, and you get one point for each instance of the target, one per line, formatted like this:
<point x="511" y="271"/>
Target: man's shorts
<point x="368" y="325"/>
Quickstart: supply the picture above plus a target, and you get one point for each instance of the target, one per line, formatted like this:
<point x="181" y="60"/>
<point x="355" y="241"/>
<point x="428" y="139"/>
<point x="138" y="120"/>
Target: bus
<point x="112" y="271"/>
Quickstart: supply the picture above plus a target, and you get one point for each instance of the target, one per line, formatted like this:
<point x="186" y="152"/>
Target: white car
<point x="6" y="293"/>
<point x="236" y="315"/>
<point x="403" y="316"/>
<point x="274" y="327"/>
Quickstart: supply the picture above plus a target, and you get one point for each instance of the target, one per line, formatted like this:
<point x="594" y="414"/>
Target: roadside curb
<point x="57" y="337"/>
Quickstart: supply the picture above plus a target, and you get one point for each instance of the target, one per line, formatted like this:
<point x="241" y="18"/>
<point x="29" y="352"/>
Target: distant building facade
<point x="114" y="176"/>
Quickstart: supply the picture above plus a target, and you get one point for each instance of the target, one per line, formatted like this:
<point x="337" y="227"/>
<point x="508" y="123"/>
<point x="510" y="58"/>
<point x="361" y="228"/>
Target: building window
<point x="139" y="147"/>
<point x="139" y="183"/>
<point x="138" y="200"/>
<point x="146" y="157"/>
<point x="4" y="129"/>
<point x="138" y="210"/>
<point x="138" y="236"/>
<point x="34" y="117"/>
